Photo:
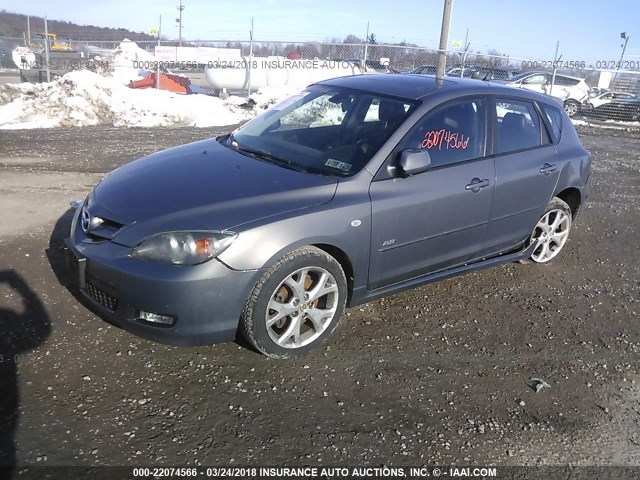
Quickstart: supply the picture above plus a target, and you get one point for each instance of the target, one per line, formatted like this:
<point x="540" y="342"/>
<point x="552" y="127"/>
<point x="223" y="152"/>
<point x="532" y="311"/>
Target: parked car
<point x="622" y="109"/>
<point x="425" y="70"/>
<point x="573" y="91"/>
<point x="601" y="99"/>
<point x="612" y="105"/>
<point x="357" y="188"/>
<point x="490" y="73"/>
<point x="480" y="72"/>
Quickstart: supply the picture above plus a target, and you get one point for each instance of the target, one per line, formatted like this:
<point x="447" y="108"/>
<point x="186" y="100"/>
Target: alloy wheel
<point x="551" y="234"/>
<point x="302" y="307"/>
<point x="571" y="108"/>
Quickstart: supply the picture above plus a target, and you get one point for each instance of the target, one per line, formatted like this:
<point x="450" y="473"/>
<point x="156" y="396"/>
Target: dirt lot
<point x="438" y="375"/>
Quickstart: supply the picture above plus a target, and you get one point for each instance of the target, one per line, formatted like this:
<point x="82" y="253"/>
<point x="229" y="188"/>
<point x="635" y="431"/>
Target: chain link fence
<point x="597" y="90"/>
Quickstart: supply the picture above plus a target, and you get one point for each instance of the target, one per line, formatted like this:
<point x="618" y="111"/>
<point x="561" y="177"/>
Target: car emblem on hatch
<point x="88" y="222"/>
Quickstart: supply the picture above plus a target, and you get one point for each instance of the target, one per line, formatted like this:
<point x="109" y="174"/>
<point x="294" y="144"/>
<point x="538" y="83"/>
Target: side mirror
<point x="413" y="161"/>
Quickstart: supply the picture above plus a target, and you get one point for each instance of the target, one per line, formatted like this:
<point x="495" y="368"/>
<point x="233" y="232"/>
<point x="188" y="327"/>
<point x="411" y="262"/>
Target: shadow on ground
<point x="22" y="328"/>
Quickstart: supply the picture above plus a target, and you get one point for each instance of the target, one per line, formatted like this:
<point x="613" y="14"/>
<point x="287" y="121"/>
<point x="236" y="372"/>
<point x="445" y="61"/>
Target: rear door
<point x="436" y="219"/>
<point x="527" y="171"/>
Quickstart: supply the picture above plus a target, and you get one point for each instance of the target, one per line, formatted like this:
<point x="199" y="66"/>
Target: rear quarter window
<point x="570" y="82"/>
<point x="554" y="117"/>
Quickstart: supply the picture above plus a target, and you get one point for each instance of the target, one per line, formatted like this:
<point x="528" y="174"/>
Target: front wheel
<point x="551" y="231"/>
<point x="296" y="304"/>
<point x="571" y="107"/>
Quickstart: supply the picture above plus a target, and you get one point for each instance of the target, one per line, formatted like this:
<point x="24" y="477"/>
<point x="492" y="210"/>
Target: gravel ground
<point x="438" y="375"/>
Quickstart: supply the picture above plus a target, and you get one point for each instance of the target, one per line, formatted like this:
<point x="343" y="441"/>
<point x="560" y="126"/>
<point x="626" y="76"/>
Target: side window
<point x="372" y="114"/>
<point x="535" y="80"/>
<point x="452" y="133"/>
<point x="566" y="81"/>
<point x="518" y="125"/>
<point x="554" y="116"/>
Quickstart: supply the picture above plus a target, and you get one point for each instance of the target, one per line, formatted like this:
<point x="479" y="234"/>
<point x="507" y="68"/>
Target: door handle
<point x="547" y="168"/>
<point x="476" y="184"/>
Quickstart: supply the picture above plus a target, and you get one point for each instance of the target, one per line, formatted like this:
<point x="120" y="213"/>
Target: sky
<point x="527" y="29"/>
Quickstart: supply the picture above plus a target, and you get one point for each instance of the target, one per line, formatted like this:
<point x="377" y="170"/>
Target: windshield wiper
<point x="266" y="156"/>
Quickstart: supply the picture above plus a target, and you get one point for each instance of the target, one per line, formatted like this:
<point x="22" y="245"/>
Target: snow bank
<point x="268" y="96"/>
<point x="129" y="60"/>
<point x="82" y="98"/>
<point x="610" y="124"/>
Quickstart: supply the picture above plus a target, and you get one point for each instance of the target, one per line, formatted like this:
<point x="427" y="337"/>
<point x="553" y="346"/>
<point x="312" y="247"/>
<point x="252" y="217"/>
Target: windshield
<point x="323" y="130"/>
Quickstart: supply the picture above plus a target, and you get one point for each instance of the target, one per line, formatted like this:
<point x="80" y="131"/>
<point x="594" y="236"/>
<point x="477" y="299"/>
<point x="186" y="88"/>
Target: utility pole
<point x="366" y="44"/>
<point x="250" y="59"/>
<point x="29" y="30"/>
<point x="625" y="37"/>
<point x="179" y="20"/>
<point x="464" y="54"/>
<point x="444" y="39"/>
<point x="158" y="70"/>
<point x="46" y="49"/>
<point x="556" y="59"/>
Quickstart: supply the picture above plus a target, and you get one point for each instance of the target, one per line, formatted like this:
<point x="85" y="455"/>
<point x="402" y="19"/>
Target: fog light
<point x="165" y="320"/>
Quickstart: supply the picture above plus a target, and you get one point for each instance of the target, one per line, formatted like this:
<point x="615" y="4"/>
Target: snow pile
<point x="129" y="61"/>
<point x="611" y="124"/>
<point x="128" y="52"/>
<point x="82" y="98"/>
<point x="268" y="96"/>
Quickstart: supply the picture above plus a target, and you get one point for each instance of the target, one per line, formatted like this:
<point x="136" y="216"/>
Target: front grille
<point x="101" y="297"/>
<point x="106" y="231"/>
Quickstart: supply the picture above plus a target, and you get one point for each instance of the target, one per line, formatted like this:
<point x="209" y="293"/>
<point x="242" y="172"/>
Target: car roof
<point x="417" y="87"/>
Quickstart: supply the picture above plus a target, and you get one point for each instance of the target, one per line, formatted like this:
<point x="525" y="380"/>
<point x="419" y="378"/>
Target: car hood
<point x="200" y="186"/>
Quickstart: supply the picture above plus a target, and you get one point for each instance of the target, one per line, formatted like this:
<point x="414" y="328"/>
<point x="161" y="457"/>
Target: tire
<point x="571" y="107"/>
<point x="304" y="281"/>
<point x="551" y="231"/>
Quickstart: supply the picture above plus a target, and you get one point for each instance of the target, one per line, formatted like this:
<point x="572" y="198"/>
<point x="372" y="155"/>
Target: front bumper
<point x="206" y="299"/>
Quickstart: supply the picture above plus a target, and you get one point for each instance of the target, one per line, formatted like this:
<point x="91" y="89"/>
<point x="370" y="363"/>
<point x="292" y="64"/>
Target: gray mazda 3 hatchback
<point x="354" y="189"/>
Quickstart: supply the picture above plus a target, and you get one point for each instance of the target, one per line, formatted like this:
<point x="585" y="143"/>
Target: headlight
<point x="183" y="248"/>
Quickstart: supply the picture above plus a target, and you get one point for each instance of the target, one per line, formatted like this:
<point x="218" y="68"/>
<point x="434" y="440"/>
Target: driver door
<point x="436" y="219"/>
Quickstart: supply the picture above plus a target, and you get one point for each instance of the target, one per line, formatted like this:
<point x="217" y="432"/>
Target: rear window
<point x="554" y="116"/>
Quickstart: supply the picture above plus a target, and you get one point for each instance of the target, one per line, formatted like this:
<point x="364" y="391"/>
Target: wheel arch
<point x="573" y="198"/>
<point x="345" y="262"/>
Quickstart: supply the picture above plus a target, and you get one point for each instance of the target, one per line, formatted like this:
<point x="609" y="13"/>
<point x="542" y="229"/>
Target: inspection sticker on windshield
<point x="338" y="164"/>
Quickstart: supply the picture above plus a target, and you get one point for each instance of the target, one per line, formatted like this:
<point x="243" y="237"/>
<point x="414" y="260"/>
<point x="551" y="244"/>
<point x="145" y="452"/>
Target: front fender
<point x="346" y="227"/>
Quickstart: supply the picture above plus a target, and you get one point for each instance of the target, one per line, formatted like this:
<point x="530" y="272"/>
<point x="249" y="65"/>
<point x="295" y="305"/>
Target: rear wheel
<point x="296" y="304"/>
<point x="551" y="231"/>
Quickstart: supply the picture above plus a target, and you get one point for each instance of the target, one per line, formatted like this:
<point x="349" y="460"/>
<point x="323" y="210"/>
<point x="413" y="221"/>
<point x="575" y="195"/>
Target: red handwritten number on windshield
<point x="444" y="139"/>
